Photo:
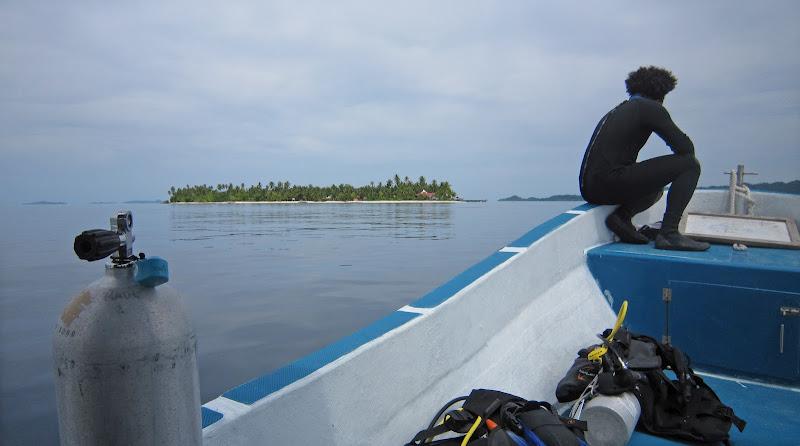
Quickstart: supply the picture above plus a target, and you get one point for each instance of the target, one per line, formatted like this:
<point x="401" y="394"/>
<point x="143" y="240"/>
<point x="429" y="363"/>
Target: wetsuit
<point x="610" y="174"/>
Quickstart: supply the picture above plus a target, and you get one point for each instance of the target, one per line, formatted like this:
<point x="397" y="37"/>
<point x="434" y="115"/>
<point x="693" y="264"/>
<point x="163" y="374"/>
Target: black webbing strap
<point x="572" y="423"/>
<point x="428" y="433"/>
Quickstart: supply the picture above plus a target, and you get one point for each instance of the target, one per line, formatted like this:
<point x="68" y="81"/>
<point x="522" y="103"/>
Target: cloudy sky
<point x="115" y="101"/>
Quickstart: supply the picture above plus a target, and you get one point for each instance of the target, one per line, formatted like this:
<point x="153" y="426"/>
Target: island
<point x="792" y="187"/>
<point x="34" y="203"/>
<point x="550" y="198"/>
<point x="394" y="189"/>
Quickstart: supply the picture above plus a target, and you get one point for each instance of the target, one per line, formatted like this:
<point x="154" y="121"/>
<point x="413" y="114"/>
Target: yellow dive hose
<point x="471" y="431"/>
<point x="601" y="350"/>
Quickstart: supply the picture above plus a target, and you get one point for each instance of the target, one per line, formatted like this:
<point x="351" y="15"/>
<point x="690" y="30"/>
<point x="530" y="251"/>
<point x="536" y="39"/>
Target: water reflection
<point x="354" y="220"/>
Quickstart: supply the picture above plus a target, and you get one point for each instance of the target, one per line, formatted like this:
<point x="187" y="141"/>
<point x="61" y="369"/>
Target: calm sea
<point x="265" y="284"/>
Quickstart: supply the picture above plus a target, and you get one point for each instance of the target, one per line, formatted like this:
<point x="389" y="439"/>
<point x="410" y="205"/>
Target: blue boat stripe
<point x="540" y="231"/>
<point x="209" y="416"/>
<point x="250" y="392"/>
<point x="459" y="282"/>
<point x="585" y="207"/>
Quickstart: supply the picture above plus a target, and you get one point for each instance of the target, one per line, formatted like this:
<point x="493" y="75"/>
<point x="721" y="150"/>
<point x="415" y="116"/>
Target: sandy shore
<point x="324" y="202"/>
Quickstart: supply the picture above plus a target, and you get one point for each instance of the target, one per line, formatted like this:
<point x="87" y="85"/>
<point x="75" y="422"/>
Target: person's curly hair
<point x="652" y="82"/>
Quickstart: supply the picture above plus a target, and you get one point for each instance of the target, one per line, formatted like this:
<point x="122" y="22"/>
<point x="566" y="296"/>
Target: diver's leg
<point x="640" y="204"/>
<point x="620" y="222"/>
<point x="682" y="171"/>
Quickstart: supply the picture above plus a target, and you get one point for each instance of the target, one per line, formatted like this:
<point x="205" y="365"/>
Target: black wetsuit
<point x="610" y="174"/>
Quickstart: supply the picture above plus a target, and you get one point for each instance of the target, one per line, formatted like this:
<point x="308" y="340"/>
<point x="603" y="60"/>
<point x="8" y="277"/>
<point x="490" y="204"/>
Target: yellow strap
<point x="601" y="350"/>
<point x="471" y="431"/>
<point x="597" y="353"/>
<point x="623" y="311"/>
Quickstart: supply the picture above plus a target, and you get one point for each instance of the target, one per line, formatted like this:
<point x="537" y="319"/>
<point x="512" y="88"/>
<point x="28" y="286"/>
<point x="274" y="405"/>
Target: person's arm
<point x="658" y="119"/>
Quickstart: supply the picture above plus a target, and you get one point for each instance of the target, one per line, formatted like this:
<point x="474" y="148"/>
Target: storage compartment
<point x="736" y="328"/>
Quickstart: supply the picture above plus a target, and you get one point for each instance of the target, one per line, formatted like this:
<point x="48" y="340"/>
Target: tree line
<point x="395" y="189"/>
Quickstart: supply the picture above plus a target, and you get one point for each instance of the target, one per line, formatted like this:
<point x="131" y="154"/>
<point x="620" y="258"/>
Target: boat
<point x="515" y="320"/>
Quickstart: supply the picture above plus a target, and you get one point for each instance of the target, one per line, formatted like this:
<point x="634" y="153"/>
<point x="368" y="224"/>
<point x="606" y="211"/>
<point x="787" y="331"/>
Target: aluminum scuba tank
<point x="125" y="353"/>
<point x="611" y="419"/>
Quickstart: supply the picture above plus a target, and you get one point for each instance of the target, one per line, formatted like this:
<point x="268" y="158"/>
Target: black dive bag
<point x="494" y="418"/>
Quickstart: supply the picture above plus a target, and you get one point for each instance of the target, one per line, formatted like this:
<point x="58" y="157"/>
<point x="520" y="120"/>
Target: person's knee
<point x="690" y="163"/>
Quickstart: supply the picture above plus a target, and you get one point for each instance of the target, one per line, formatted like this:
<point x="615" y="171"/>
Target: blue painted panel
<point x="738" y="329"/>
<point x="209" y="416"/>
<point x="771" y="414"/>
<point x="540" y="231"/>
<point x="585" y="207"/>
<point x="720" y="255"/>
<point x="758" y="282"/>
<point x="258" y="388"/>
<point x="457" y="283"/>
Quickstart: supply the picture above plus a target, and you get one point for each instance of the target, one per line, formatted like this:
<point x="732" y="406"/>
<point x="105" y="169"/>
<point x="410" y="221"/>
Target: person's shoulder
<point x="650" y="107"/>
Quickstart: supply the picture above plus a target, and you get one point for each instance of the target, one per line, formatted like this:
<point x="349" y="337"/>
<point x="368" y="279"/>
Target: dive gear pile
<point x="493" y="418"/>
<point x="675" y="402"/>
<point x="628" y="379"/>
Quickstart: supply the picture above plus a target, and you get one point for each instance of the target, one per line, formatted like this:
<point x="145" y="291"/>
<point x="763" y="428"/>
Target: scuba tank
<point x="124" y="351"/>
<point x="611" y="419"/>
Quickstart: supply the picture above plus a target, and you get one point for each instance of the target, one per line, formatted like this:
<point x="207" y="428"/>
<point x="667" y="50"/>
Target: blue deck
<point x="771" y="414"/>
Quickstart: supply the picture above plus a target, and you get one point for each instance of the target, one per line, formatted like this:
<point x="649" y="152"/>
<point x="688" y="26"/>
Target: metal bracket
<point x="666" y="296"/>
<point x="786" y="312"/>
<point x="790" y="311"/>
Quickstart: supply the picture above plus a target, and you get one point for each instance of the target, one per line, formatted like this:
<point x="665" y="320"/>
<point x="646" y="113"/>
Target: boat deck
<point x="722" y="258"/>
<point x="770" y="412"/>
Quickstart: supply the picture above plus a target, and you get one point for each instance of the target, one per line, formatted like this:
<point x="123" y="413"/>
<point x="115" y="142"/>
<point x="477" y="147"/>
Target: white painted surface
<point x="733" y="227"/>
<point x="513" y="249"/>
<point x="410" y="309"/>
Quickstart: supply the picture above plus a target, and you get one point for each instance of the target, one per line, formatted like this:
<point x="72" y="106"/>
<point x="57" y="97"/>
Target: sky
<point x="115" y="101"/>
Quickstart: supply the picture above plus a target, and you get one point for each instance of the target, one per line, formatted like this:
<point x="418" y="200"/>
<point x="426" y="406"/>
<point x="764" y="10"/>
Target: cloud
<point x="491" y="96"/>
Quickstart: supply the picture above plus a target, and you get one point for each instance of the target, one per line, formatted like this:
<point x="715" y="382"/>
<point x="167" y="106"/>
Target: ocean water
<point x="265" y="284"/>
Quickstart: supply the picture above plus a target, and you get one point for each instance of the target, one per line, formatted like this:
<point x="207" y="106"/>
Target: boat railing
<point x="737" y="188"/>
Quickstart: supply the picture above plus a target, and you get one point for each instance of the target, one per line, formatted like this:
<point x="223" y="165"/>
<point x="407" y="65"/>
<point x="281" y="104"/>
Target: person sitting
<point x="610" y="173"/>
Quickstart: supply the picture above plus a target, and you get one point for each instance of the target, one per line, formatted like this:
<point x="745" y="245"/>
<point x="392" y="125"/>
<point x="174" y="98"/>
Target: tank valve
<point x="96" y="244"/>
